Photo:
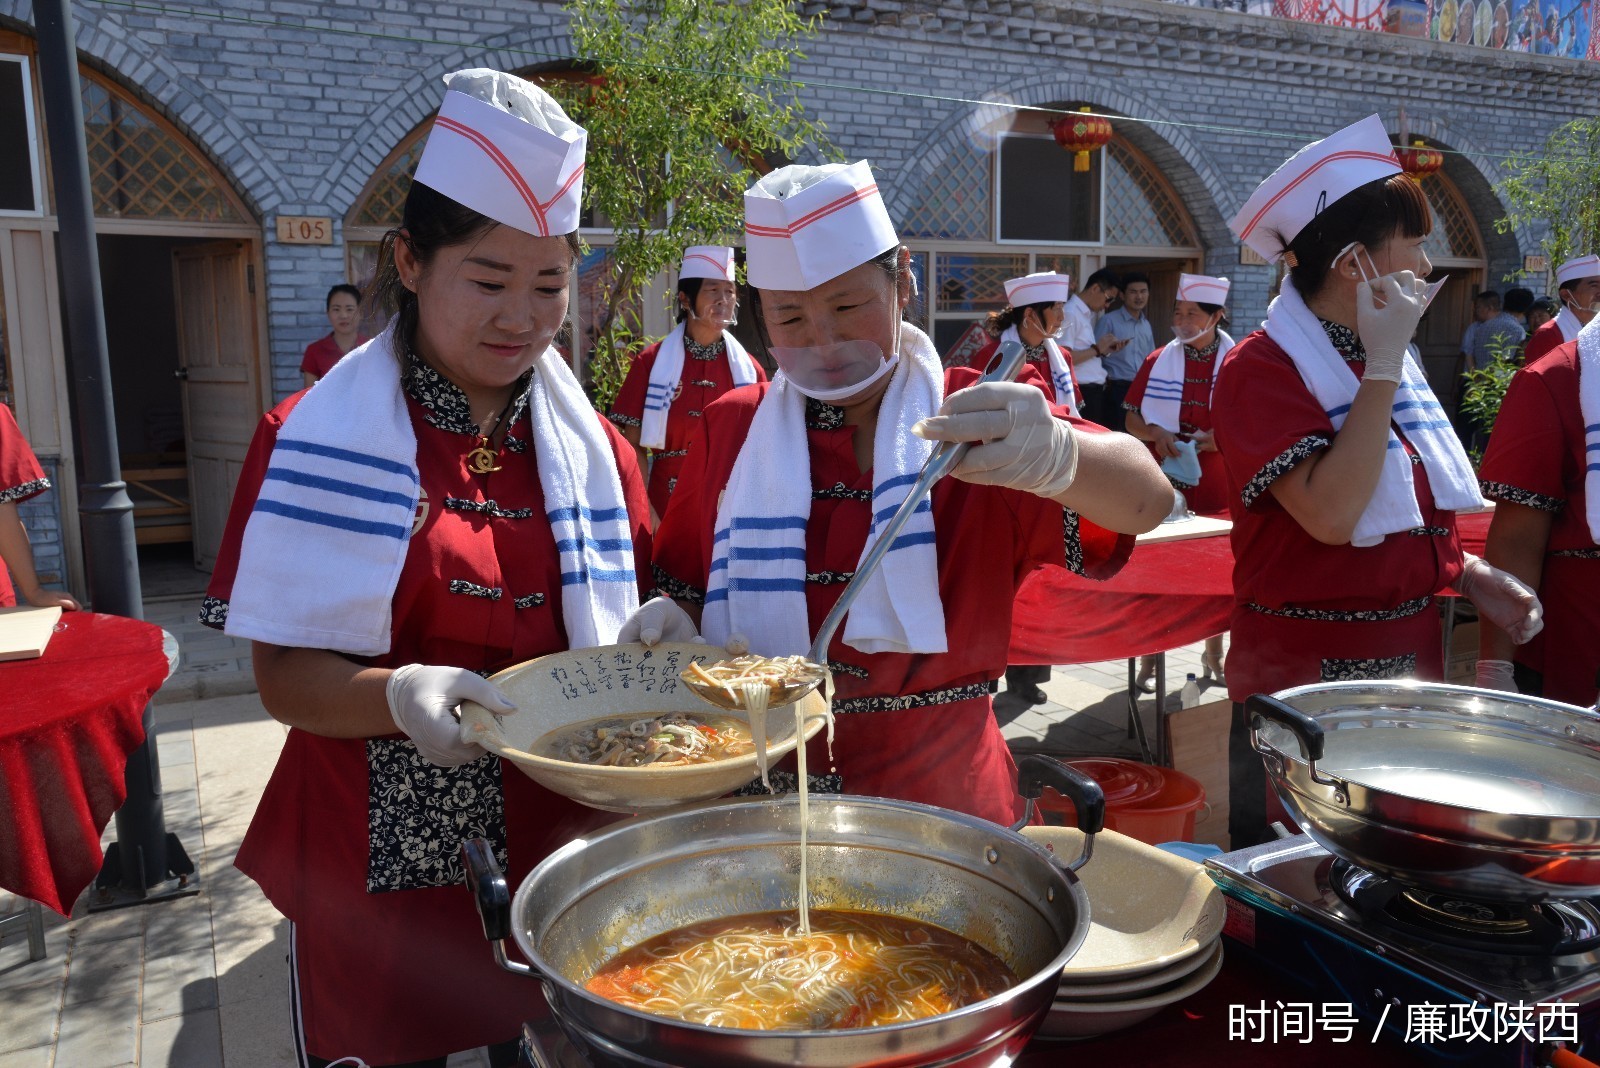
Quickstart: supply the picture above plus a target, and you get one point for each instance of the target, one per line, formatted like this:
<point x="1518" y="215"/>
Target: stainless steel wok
<point x="1470" y="792"/>
<point x="599" y="896"/>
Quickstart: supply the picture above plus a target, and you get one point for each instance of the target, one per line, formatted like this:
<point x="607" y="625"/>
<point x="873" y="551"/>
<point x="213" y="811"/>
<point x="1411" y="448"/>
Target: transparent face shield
<point x="721" y="309"/>
<point x="1578" y="309"/>
<point x="837" y="371"/>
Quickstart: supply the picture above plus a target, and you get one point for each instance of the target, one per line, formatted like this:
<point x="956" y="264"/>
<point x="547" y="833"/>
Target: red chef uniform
<point x="357" y="840"/>
<point x="1304" y="611"/>
<point x="914" y="727"/>
<point x="1536" y="459"/>
<point x="323" y="353"/>
<point x="706" y="377"/>
<point x="21" y="477"/>
<point x="1211" y="495"/>
<point x="1038" y="359"/>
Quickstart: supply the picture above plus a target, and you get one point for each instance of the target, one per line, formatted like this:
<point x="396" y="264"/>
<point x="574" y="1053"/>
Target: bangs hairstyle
<point x="1372" y="214"/>
<point x="888" y="262"/>
<point x="429" y="222"/>
<point x="998" y="322"/>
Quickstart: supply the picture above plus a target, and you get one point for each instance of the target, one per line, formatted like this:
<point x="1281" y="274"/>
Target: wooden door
<point x="1439" y="333"/>
<point x="218" y="357"/>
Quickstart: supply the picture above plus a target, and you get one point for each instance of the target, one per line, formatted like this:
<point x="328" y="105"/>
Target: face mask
<point x="1369" y="271"/>
<point x="1187" y="338"/>
<point x="1593" y="309"/>
<point x="731" y="319"/>
<point x="838" y="371"/>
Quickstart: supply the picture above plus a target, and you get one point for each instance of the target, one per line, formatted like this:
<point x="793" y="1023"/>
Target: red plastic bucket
<point x="1151" y="804"/>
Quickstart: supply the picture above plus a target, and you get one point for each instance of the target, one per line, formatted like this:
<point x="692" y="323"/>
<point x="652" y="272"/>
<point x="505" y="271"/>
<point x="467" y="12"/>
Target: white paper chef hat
<point x="1312" y="179"/>
<point x="503" y="147"/>
<point x="707" y="261"/>
<point x="805" y="225"/>
<point x="1203" y="289"/>
<point x="1574" y="269"/>
<point x="1044" y="287"/>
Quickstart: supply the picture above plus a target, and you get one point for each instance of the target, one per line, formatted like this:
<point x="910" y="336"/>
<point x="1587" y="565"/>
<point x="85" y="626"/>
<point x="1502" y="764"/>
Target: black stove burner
<point x="1551" y="929"/>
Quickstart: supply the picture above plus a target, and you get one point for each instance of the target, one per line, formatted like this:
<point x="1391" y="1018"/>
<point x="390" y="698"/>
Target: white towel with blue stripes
<point x="757" y="583"/>
<point x="1589" y="406"/>
<point x="667" y="371"/>
<point x="1163" y="393"/>
<point x="1417" y="414"/>
<point x="327" y="539"/>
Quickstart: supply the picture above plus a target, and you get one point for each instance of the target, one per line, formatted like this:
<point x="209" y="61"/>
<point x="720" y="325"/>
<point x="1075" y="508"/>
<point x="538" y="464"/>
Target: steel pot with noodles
<point x="935" y="937"/>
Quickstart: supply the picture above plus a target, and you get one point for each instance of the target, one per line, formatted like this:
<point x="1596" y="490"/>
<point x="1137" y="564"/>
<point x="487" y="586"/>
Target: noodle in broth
<point x="757" y="972"/>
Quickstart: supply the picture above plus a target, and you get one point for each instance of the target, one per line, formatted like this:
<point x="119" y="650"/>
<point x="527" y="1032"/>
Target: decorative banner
<point x="1543" y="27"/>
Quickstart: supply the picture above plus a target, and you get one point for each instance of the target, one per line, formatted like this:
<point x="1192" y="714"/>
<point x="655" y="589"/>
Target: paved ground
<point x="202" y="982"/>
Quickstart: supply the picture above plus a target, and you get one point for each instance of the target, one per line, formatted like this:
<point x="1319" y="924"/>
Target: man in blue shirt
<point x="1130" y="325"/>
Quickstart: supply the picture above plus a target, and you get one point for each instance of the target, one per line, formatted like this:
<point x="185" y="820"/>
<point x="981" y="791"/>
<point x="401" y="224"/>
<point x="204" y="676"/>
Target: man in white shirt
<point x="1079" y="342"/>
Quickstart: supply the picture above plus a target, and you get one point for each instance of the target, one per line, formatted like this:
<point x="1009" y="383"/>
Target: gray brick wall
<point x="41" y="517"/>
<point x="299" y="118"/>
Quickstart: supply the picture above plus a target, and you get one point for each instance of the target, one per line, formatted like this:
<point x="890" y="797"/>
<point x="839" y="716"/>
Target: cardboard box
<point x="1461" y="665"/>
<point x="1197" y="741"/>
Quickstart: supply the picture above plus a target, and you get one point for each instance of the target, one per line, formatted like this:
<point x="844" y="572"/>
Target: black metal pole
<point x="144" y="855"/>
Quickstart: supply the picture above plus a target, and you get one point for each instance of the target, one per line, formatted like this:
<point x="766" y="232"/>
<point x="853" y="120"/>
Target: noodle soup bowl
<point x="632" y="881"/>
<point x="580" y="685"/>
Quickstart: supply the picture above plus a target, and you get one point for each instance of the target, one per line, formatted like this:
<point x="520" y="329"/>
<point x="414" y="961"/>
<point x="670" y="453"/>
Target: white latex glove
<point x="423" y="700"/>
<point x="1496" y="675"/>
<point x="1386" y="331"/>
<point x="1023" y="445"/>
<point x="1502" y="599"/>
<point x="658" y="620"/>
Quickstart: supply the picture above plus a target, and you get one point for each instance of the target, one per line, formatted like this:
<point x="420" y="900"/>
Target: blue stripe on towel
<point x="898" y="480"/>
<point x="605" y="545"/>
<point x="767" y="585"/>
<point x="597" y="574"/>
<point x="334" y="485"/>
<point x="400" y="532"/>
<point x="769" y="522"/>
<point x="1432" y="424"/>
<point x="769" y="552"/>
<point x="1334" y="413"/>
<point x="598" y="515"/>
<point x="377" y="462"/>
<point x="905" y="540"/>
<point x="884" y="514"/>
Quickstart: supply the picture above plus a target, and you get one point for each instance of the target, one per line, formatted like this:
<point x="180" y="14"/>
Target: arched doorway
<point x="975" y="223"/>
<point x="181" y="274"/>
<point x="1456" y="250"/>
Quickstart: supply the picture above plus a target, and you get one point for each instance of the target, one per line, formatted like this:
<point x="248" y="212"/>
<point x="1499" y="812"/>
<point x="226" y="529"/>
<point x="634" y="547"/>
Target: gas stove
<point x="1460" y="981"/>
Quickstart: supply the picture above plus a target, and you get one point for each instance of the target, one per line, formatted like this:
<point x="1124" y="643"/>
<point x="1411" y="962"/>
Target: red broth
<point x="756" y="972"/>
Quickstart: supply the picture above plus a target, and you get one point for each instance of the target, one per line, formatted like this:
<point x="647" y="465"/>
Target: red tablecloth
<point x="1168" y="594"/>
<point x="68" y="721"/>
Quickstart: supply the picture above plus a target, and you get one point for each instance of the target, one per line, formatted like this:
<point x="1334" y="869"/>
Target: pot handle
<point x="488" y="885"/>
<point x="1307" y="731"/>
<point x="1036" y="771"/>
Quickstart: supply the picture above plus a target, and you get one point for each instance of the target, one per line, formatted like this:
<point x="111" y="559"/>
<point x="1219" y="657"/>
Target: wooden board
<point x="1199" y="526"/>
<point x="24" y="632"/>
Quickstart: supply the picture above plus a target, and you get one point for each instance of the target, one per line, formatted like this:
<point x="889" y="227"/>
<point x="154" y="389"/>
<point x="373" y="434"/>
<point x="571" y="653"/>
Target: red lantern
<point x="1419" y="160"/>
<point x="1081" y="134"/>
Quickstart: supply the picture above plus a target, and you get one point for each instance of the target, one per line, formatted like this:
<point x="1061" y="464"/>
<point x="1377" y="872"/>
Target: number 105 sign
<point x="305" y="230"/>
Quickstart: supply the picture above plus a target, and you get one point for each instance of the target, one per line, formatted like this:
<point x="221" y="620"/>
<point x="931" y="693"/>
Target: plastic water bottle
<point x="1191" y="692"/>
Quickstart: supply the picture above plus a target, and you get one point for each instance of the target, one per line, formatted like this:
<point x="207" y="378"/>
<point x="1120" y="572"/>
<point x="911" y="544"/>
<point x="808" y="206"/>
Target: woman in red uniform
<point x="445" y="503"/>
<point x="775" y="507"/>
<point x="1545" y="529"/>
<point x="669" y="384"/>
<point x="1169" y="403"/>
<point x="344" y="315"/>
<point x="1036" y="316"/>
<point x="1578" y="288"/>
<point x="1343" y="473"/>
<point x="21" y="478"/>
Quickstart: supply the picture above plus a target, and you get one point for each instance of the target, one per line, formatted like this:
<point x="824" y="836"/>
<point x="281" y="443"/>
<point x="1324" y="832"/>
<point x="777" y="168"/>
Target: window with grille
<point x="385" y="196"/>
<point x="139" y="168"/>
<point x="1455" y="233"/>
<point x="955" y="200"/>
<point x="1140" y="208"/>
<point x="19" y="144"/>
